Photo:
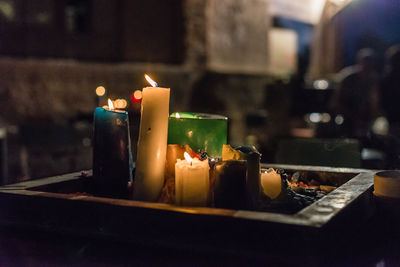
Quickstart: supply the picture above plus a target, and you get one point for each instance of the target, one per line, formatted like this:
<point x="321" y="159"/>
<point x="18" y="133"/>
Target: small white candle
<point x="152" y="143"/>
<point x="272" y="183"/>
<point x="191" y="182"/>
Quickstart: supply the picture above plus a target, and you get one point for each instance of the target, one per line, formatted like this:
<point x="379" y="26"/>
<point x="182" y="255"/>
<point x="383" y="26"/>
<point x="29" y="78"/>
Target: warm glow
<point x="120" y="103"/>
<point x="153" y="83"/>
<point x="188" y="158"/>
<point x="100" y="90"/>
<point x="110" y="105"/>
<point x="177" y="115"/>
<point x="137" y="94"/>
<point x="124" y="103"/>
<point x="117" y="103"/>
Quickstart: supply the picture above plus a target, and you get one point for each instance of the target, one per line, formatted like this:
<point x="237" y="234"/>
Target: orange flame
<point x="153" y="83"/>
<point x="110" y="104"/>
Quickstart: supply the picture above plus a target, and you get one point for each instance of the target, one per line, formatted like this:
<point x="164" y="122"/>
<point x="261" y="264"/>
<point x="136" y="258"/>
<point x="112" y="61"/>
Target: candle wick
<point x="156" y="84"/>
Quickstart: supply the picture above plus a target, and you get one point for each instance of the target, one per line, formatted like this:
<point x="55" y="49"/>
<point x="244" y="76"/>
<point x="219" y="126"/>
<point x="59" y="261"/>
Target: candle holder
<point x="58" y="204"/>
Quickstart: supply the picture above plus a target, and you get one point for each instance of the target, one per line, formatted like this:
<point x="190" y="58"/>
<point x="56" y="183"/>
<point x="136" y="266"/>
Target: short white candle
<point x="152" y="144"/>
<point x="272" y="183"/>
<point x="191" y="182"/>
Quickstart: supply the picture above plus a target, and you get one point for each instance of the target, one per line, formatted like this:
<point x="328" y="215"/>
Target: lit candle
<point x="112" y="158"/>
<point x="152" y="143"/>
<point x="206" y="132"/>
<point x="174" y="152"/>
<point x="271" y="182"/>
<point x="192" y="181"/>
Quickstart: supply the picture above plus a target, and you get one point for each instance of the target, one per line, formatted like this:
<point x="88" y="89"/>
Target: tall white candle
<point x="152" y="144"/>
<point x="191" y="182"/>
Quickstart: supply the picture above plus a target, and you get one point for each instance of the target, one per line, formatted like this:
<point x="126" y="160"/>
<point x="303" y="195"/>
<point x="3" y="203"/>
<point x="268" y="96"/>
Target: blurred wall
<point x="49" y="80"/>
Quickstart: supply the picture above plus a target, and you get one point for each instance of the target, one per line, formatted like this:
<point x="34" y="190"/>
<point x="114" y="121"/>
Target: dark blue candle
<point x="112" y="157"/>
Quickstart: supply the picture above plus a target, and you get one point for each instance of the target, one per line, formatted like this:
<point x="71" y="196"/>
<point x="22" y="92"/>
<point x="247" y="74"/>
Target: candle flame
<point x="110" y="104"/>
<point x="177" y="116"/>
<point x="188" y="158"/>
<point x="153" y="83"/>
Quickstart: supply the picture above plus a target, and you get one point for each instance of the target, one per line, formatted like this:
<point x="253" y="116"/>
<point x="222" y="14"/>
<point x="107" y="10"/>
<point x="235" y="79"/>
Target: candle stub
<point x="252" y="156"/>
<point x="387" y="198"/>
<point x="230" y="184"/>
<point x="387" y="184"/>
<point x="192" y="181"/>
<point x="271" y="182"/>
<point x="174" y="152"/>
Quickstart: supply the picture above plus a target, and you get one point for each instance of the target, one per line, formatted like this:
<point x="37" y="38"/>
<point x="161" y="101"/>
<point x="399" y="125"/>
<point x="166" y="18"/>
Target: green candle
<point x="202" y="132"/>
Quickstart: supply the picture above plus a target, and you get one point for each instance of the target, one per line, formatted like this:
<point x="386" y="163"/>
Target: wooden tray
<point x="50" y="205"/>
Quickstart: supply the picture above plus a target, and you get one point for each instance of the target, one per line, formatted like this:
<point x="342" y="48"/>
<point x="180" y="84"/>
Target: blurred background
<point x="306" y="81"/>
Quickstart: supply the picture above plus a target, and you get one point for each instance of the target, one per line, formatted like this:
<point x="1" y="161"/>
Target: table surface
<point x="376" y="243"/>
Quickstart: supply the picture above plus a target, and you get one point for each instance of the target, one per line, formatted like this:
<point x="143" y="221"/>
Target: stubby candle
<point x="112" y="158"/>
<point x="230" y="184"/>
<point x="253" y="187"/>
<point x="152" y="143"/>
<point x="271" y="182"/>
<point x="174" y="152"/>
<point x="192" y="181"/>
<point x="200" y="131"/>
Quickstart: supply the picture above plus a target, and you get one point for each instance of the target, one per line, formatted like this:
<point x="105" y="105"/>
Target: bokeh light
<point x="321" y="84"/>
<point x="315" y="117"/>
<point x="326" y="117"/>
<point x="339" y="119"/>
<point x="100" y="90"/>
<point x="120" y="103"/>
<point x="136" y="96"/>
